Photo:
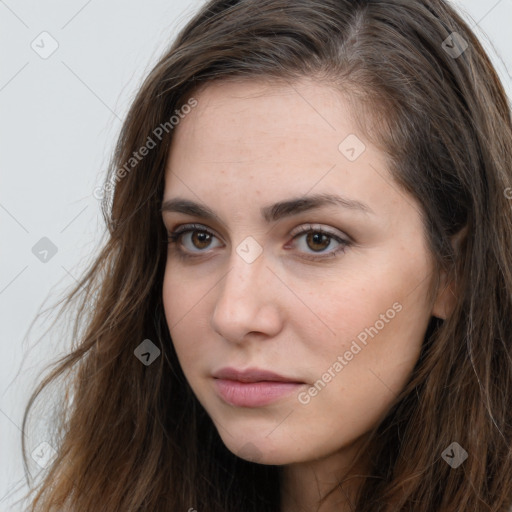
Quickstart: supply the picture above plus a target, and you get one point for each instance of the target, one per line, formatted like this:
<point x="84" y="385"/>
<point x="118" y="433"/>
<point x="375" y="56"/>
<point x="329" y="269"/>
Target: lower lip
<point x="253" y="394"/>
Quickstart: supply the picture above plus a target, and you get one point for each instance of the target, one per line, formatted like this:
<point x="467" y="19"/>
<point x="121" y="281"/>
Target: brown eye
<point x="200" y="239"/>
<point x="317" y="240"/>
<point x="195" y="239"/>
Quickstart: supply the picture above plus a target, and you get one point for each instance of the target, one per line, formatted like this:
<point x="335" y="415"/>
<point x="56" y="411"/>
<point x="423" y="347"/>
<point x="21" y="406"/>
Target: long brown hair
<point x="133" y="437"/>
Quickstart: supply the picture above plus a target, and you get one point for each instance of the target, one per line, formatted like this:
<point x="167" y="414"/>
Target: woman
<point x="305" y="300"/>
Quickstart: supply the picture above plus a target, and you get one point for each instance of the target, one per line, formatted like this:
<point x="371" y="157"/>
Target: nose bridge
<point x="246" y="273"/>
<point x="244" y="294"/>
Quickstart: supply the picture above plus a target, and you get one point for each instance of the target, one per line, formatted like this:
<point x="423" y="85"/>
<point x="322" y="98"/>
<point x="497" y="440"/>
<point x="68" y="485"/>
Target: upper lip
<point x="252" y="375"/>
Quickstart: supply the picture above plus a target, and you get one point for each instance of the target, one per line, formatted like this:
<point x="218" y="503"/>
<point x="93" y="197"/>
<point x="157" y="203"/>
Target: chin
<point x="260" y="451"/>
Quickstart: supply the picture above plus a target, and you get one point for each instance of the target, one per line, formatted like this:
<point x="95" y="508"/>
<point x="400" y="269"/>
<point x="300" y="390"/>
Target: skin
<point x="247" y="145"/>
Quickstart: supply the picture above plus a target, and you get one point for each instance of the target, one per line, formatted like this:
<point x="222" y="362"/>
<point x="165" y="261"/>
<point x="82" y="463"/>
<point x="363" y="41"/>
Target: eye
<point x="318" y="240"/>
<point x="200" y="238"/>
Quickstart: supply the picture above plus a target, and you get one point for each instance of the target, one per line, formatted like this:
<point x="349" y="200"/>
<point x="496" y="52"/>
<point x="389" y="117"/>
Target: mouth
<point x="253" y="387"/>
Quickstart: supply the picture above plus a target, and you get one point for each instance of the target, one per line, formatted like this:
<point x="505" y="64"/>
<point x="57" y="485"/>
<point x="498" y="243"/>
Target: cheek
<point x="373" y="327"/>
<point x="182" y="303"/>
<point x="383" y="297"/>
<point x="354" y="384"/>
<point x="169" y="296"/>
<point x="372" y="357"/>
<point x="346" y="310"/>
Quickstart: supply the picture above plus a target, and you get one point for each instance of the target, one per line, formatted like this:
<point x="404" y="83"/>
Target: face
<point x="332" y="296"/>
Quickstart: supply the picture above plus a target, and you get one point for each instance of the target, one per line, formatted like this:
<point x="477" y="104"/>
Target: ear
<point x="446" y="298"/>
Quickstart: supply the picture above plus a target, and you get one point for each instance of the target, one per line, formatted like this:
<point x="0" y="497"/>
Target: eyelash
<point x="175" y="236"/>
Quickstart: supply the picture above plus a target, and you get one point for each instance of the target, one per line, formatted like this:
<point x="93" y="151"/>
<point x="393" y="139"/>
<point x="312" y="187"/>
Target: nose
<point x="248" y="301"/>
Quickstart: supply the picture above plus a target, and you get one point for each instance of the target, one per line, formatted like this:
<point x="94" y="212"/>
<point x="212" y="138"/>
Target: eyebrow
<point x="273" y="212"/>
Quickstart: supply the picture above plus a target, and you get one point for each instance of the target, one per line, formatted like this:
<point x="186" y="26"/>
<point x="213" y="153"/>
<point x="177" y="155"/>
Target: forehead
<point x="260" y="125"/>
<point x="249" y="139"/>
<point x="242" y="109"/>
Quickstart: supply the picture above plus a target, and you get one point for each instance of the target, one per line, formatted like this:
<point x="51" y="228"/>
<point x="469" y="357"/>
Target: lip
<point x="253" y="387"/>
<point x="252" y="375"/>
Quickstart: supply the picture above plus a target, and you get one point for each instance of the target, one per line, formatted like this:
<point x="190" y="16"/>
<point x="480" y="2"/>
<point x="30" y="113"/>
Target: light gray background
<point x="59" y="120"/>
